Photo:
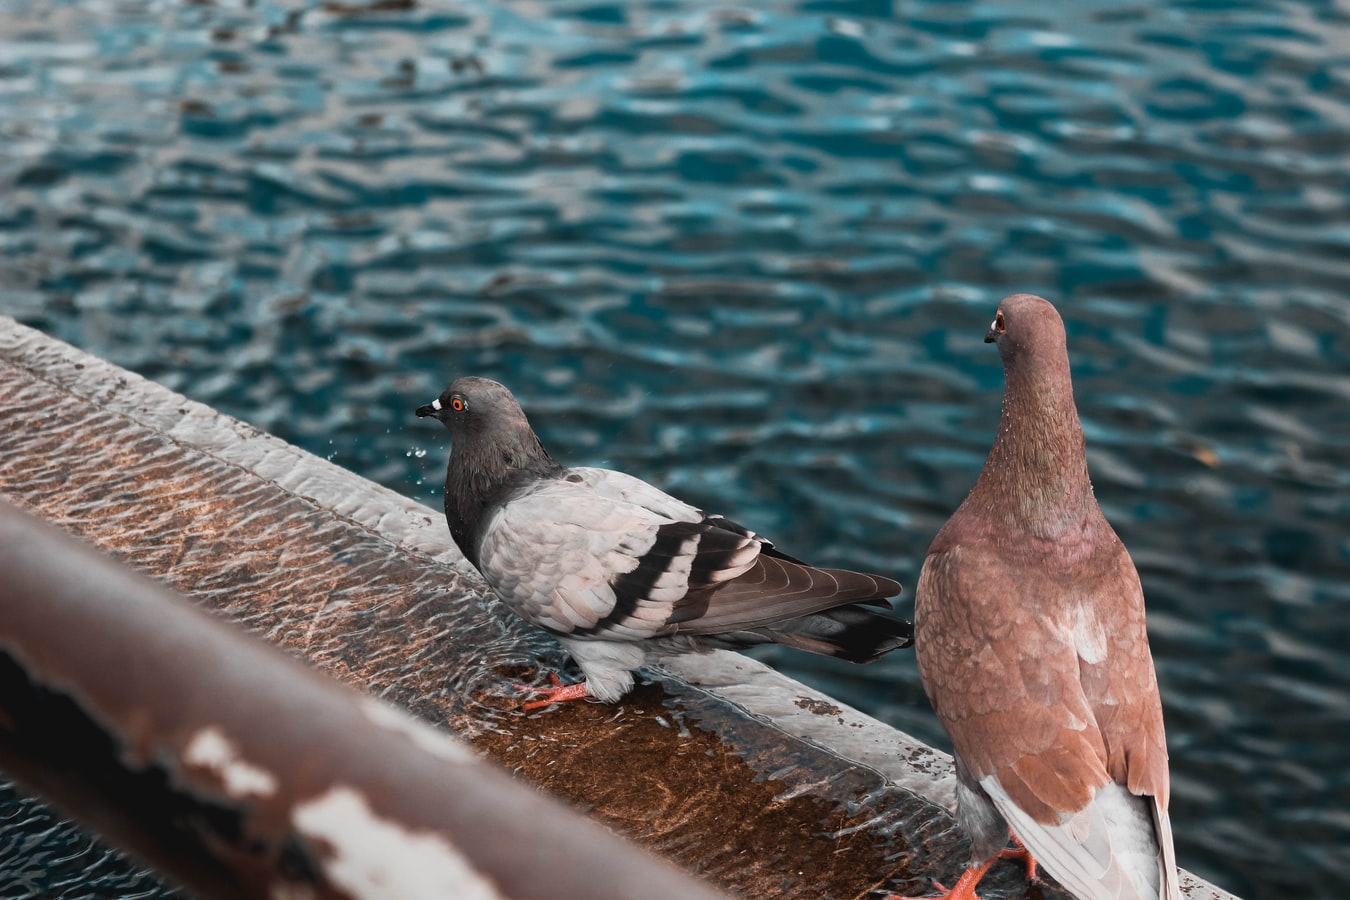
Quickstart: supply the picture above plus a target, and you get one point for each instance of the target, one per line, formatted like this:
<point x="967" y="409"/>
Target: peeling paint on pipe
<point x="240" y="772"/>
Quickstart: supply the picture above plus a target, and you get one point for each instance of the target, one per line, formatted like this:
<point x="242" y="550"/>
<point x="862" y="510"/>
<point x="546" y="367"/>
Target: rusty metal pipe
<point x="239" y="772"/>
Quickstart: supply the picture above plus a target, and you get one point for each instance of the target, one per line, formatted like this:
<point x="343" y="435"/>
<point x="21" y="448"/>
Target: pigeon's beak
<point x="431" y="409"/>
<point x="997" y="328"/>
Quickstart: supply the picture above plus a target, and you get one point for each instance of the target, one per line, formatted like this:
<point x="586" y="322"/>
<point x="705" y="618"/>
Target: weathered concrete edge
<point x="794" y="708"/>
<point x="379" y="510"/>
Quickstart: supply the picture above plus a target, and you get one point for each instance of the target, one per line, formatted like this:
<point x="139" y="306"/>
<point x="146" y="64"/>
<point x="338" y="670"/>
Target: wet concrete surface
<point x="366" y="586"/>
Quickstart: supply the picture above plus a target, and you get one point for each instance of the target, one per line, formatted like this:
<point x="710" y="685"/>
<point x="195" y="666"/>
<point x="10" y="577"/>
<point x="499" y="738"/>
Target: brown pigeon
<point x="1029" y="631"/>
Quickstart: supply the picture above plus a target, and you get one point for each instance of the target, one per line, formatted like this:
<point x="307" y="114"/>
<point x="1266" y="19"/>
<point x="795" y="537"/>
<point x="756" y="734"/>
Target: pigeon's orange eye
<point x="457" y="404"/>
<point x="998" y="322"/>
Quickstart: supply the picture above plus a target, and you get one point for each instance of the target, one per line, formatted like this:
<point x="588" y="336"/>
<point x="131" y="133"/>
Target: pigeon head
<point x="473" y="407"/>
<point x="485" y="421"/>
<point x="494" y="452"/>
<point x="1030" y="337"/>
<point x="1026" y="325"/>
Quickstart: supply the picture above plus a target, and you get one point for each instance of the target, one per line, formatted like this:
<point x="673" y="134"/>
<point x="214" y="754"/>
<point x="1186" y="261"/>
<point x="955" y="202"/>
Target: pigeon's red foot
<point x="559" y="693"/>
<point x="964" y="889"/>
<point x="1024" y="855"/>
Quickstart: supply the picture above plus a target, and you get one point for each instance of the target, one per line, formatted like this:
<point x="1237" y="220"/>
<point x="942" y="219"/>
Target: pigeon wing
<point x="602" y="555"/>
<point x="775" y="590"/>
<point x="731" y="579"/>
<point x="1120" y="845"/>
<point x="1003" y="679"/>
<point x="1119" y="680"/>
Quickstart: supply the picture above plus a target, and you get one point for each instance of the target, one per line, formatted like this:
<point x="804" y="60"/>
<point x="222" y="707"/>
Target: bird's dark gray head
<point x="1027" y="325"/>
<point x="487" y="426"/>
<point x="477" y="406"/>
<point x="494" y="452"/>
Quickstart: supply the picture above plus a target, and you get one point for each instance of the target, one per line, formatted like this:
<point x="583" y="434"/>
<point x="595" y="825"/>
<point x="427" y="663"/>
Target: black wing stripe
<point x="633" y="587"/>
<point x="765" y="546"/>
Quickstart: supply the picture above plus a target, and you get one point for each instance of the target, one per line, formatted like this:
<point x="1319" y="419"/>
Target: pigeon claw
<point x="559" y="693"/>
<point x="964" y="889"/>
<point x="1023" y="855"/>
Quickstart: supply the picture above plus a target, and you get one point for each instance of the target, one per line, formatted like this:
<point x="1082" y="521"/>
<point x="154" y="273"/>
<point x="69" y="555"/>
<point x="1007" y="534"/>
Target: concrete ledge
<point x="753" y="781"/>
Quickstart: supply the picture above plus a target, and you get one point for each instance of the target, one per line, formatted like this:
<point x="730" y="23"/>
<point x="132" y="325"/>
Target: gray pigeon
<point x="613" y="567"/>
<point x="1029" y="622"/>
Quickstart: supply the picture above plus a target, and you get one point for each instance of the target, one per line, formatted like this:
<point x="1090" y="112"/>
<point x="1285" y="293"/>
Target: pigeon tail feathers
<point x="854" y="633"/>
<point x="1106" y="851"/>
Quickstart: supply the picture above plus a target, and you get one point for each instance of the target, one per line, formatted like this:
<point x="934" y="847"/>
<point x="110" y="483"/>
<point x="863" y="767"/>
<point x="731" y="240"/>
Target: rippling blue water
<point x="749" y="253"/>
